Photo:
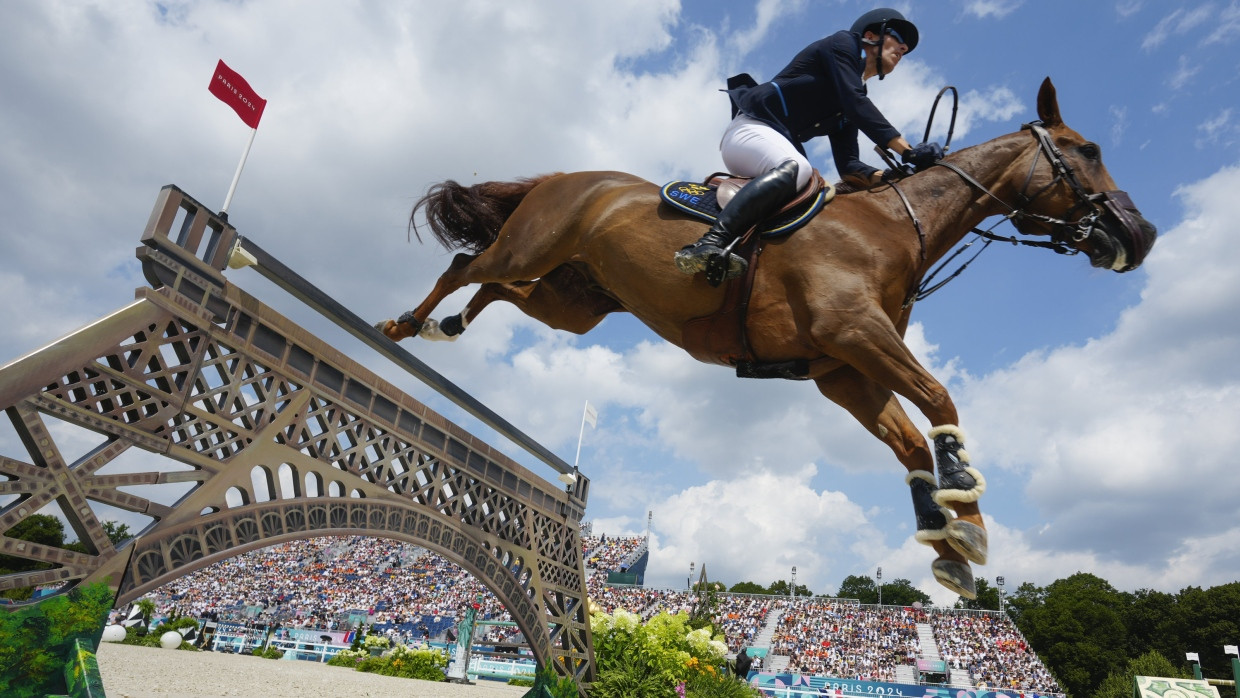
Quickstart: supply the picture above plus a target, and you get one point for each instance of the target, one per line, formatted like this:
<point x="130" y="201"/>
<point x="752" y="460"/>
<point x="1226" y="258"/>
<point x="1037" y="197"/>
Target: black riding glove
<point x="923" y="156"/>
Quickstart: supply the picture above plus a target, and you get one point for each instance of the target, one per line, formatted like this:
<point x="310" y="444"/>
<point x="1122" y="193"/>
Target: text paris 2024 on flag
<point x="233" y="90"/>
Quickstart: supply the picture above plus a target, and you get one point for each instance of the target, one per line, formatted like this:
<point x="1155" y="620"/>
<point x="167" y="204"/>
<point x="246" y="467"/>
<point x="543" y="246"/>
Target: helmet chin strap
<point x="882" y="39"/>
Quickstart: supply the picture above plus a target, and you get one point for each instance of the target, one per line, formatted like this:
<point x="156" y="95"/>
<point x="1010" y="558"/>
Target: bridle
<point x="1066" y="232"/>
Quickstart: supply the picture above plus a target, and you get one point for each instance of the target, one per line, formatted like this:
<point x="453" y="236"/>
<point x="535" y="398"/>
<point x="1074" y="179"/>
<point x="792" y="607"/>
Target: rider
<point x="821" y="92"/>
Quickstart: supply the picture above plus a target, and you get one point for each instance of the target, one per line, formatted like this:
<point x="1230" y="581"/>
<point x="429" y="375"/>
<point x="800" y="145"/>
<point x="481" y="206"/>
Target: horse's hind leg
<point x="877" y="409"/>
<point x="551" y="301"/>
<point x="411" y="323"/>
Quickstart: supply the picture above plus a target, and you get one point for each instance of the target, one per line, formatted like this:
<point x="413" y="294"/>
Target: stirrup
<point x="691" y="259"/>
<point x="724" y="266"/>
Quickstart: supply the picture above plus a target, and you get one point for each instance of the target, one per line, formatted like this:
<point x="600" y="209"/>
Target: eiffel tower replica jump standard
<point x="273" y="436"/>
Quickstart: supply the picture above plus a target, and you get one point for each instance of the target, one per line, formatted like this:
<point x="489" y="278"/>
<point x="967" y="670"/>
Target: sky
<point x="1102" y="408"/>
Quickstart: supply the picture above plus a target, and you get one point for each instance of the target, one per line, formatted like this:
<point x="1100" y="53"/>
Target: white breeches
<point x="750" y="148"/>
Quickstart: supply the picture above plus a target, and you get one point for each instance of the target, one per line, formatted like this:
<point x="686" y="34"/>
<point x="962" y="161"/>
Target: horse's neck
<point x="950" y="207"/>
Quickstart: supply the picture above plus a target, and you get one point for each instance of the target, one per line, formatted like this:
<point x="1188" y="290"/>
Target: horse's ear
<point x="1048" y="104"/>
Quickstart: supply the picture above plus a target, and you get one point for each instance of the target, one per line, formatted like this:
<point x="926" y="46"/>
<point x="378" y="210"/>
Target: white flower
<point x="699" y="641"/>
<point x="626" y="621"/>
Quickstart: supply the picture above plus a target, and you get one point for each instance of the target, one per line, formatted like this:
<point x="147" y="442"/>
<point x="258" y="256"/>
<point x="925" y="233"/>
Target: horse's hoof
<point x="956" y="576"/>
<point x="969" y="540"/>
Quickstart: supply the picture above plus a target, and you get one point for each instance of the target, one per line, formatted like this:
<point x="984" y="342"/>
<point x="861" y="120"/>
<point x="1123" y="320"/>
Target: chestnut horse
<point x="567" y="249"/>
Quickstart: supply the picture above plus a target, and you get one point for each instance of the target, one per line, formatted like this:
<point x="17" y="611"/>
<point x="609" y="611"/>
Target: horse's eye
<point x="1090" y="151"/>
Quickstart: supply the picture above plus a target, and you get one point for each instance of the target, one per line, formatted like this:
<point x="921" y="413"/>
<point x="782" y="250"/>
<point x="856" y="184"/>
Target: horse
<point x="834" y="297"/>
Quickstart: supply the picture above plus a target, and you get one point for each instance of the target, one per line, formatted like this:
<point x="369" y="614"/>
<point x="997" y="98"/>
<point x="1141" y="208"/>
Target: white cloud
<point x="728" y="522"/>
<point x="1179" y="23"/>
<point x="1217" y="132"/>
<point x="997" y="9"/>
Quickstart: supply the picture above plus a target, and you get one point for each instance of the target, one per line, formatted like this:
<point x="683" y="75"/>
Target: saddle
<point x="706" y="199"/>
<point x="720" y="337"/>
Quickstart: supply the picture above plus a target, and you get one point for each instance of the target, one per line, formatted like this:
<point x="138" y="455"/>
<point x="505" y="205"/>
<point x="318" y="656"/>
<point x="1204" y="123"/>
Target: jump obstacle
<point x="284" y="438"/>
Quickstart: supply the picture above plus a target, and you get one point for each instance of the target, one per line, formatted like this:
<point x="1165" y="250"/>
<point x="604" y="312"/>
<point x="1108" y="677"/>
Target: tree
<point x="987" y="598"/>
<point x="747" y="588"/>
<point x="1026" y="596"/>
<point x="1119" y="683"/>
<point x="1209" y="619"/>
<point x="36" y="528"/>
<point x="858" y="587"/>
<point x="1154" y="620"/>
<point x="117" y="532"/>
<point x="1078" y="631"/>
<point x="901" y="592"/>
<point x="780" y="588"/>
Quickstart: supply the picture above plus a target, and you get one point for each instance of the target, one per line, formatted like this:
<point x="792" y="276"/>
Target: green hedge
<point x="39" y="639"/>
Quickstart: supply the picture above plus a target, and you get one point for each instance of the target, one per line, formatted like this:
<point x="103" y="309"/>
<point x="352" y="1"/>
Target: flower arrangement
<point x="663" y="658"/>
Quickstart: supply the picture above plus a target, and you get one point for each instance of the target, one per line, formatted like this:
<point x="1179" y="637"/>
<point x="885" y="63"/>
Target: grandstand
<point x="413" y="595"/>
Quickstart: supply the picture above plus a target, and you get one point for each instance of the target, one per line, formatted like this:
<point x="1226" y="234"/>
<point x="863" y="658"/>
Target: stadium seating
<point x="411" y="594"/>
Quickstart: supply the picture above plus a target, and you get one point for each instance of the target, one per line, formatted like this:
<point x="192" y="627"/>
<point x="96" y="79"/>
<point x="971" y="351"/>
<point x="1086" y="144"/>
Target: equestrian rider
<point x="821" y="92"/>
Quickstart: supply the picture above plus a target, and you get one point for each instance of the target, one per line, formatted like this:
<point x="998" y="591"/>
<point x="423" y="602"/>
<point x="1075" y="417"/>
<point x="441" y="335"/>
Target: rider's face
<point x="893" y="51"/>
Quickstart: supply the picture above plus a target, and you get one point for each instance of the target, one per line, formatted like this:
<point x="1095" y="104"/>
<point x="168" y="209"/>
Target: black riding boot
<point x="758" y="199"/>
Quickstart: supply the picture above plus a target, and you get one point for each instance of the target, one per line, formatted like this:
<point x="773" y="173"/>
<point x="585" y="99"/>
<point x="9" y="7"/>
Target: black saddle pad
<point x="697" y="199"/>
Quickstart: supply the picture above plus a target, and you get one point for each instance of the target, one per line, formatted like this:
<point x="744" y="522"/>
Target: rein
<point x="1065" y="232"/>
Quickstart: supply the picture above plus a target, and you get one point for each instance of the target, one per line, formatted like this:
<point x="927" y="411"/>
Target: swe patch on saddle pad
<point x="698" y="200"/>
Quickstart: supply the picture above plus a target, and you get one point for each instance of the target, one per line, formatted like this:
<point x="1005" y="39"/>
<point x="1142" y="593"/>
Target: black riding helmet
<point x="882" y="21"/>
<point x="883" y="18"/>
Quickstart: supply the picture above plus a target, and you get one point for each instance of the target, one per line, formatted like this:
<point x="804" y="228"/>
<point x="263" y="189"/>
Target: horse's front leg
<point x="877" y="350"/>
<point x="413" y="322"/>
<point x="960" y="486"/>
<point x="878" y="410"/>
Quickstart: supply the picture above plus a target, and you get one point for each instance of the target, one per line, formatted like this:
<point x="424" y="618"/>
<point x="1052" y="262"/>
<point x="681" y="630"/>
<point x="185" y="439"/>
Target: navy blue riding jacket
<point x="820" y="93"/>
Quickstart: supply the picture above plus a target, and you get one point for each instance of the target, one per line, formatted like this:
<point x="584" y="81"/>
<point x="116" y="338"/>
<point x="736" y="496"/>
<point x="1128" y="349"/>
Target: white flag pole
<point x="237" y="176"/>
<point x="581" y="434"/>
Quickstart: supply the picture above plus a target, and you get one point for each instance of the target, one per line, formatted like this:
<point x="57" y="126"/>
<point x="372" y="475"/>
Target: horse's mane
<point x="462" y="217"/>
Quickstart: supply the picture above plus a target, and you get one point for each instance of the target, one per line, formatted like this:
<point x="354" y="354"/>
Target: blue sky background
<point x="1102" y="408"/>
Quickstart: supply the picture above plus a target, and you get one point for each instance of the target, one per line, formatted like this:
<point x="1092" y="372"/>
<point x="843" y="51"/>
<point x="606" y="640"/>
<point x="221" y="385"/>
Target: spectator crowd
<point x="412" y="594"/>
<point x="993" y="652"/>
<point x="846" y="640"/>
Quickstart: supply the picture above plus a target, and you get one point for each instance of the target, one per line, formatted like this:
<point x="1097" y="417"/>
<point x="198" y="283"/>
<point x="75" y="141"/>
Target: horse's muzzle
<point x="1130" y="235"/>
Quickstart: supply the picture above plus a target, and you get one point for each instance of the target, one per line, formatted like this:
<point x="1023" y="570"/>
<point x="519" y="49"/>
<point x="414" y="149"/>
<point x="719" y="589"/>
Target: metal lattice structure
<point x="277" y="436"/>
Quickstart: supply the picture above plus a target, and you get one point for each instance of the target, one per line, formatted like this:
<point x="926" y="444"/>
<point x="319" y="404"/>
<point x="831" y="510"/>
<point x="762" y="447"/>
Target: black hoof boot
<point x="452" y="325"/>
<point x="932" y="519"/>
<point x="958" y="481"/>
<point x="408" y="319"/>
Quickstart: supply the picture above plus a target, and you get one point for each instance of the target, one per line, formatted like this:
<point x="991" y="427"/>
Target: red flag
<point x="233" y="90"/>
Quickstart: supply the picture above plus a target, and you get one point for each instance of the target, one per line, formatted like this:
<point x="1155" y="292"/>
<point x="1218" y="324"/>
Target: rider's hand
<point x="923" y="155"/>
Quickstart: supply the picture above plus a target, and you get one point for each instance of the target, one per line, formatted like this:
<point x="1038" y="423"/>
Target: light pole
<point x="999" y="581"/>
<point x="792" y="588"/>
<point x="880" y="587"/>
<point x="689" y="579"/>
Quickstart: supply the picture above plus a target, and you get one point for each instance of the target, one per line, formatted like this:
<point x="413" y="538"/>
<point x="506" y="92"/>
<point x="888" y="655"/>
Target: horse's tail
<point x="469" y="218"/>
